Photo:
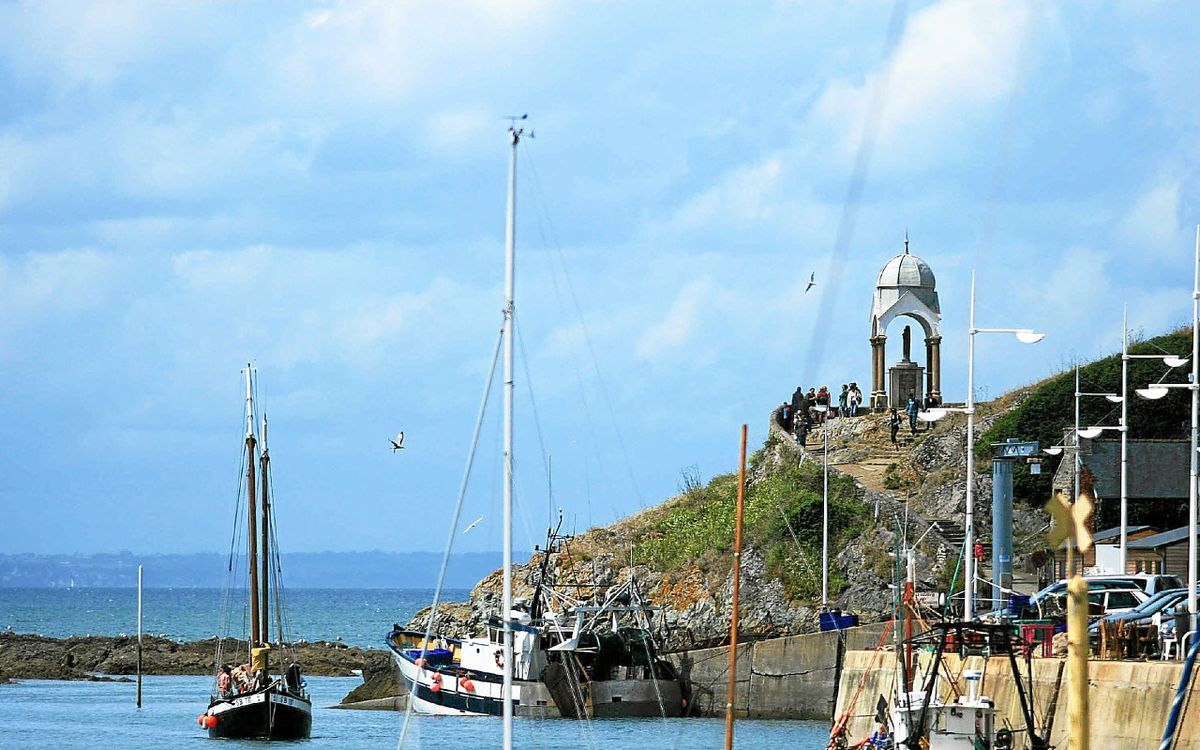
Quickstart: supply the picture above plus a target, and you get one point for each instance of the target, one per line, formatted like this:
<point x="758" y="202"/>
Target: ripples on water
<point x="90" y="715"/>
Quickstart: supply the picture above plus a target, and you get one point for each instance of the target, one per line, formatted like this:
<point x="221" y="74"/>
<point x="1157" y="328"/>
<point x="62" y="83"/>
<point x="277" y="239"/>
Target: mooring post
<point x="139" y="653"/>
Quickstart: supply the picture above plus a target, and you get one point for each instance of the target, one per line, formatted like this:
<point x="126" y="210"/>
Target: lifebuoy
<point x="500" y="658"/>
<point x="437" y="683"/>
<point x="466" y="684"/>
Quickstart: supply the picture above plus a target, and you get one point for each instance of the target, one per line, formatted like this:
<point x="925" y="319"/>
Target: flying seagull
<point x="398" y="442"/>
<point x="473" y="524"/>
<point x="812" y="281"/>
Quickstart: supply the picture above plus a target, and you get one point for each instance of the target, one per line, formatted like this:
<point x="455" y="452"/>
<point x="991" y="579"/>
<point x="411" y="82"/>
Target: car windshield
<point x="1152" y="604"/>
<point x="1121" y="600"/>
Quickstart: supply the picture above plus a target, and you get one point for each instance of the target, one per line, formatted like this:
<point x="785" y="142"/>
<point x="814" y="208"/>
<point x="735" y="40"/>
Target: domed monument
<point x="906" y="288"/>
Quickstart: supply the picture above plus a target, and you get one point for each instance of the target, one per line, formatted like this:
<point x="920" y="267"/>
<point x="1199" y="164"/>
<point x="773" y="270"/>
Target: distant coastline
<point x="313" y="570"/>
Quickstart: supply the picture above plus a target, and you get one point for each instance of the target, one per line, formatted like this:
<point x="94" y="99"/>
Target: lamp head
<point x="1029" y="337"/>
<point x="931" y="415"/>
<point x="1114" y="399"/>
<point x="1176" y="361"/>
<point x="1087" y="433"/>
<point x="1152" y="393"/>
<point x="1054" y="450"/>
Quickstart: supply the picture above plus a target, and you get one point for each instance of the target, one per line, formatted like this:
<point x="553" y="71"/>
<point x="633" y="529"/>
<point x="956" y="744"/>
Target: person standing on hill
<point x="911" y="409"/>
<point x="843" y="400"/>
<point x="855" y="399"/>
<point x="894" y="423"/>
<point x="798" y="401"/>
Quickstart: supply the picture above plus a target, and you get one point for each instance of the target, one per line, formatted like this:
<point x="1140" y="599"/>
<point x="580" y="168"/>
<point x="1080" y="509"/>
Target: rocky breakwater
<point x="81" y="658"/>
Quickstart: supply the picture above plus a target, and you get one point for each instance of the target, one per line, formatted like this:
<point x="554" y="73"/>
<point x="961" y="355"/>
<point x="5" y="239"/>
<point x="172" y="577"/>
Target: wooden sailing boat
<point x="250" y="702"/>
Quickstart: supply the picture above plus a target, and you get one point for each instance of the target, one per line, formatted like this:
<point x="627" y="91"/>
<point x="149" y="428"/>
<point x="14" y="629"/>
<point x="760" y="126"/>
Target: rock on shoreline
<point x="80" y="658"/>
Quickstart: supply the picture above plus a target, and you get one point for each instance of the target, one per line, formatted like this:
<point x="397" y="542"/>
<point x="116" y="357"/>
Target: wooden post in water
<point x="737" y="585"/>
<point x="139" y="626"/>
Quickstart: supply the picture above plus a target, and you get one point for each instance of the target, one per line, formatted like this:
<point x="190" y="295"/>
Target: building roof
<point x="1158" y="469"/>
<point x="1115" y="532"/>
<point x="1161" y="540"/>
<point x="906" y="270"/>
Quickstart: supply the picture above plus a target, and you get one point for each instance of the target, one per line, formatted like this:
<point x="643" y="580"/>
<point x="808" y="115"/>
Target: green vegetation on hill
<point x="697" y="527"/>
<point x="1050" y="409"/>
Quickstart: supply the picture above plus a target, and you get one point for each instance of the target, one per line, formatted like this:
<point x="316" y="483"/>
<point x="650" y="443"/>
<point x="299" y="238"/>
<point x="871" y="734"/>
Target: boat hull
<point x="269" y="714"/>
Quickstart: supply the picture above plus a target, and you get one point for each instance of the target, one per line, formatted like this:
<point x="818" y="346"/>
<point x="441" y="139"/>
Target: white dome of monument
<point x="906" y="270"/>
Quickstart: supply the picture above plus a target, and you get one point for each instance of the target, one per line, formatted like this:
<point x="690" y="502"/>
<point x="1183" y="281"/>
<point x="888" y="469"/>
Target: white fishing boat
<point x="557" y="656"/>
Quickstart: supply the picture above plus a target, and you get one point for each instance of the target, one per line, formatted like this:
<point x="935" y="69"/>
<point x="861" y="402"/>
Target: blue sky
<point x="319" y="188"/>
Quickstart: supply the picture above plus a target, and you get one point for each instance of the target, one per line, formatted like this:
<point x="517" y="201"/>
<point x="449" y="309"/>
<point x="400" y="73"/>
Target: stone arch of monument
<point x="906" y="288"/>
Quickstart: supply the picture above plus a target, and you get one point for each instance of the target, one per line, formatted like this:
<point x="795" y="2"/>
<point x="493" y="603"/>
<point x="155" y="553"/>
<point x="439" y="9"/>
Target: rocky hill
<point x="680" y="551"/>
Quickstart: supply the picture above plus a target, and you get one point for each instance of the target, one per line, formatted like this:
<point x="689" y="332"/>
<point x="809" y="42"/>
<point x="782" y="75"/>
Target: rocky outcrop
<point x="80" y="658"/>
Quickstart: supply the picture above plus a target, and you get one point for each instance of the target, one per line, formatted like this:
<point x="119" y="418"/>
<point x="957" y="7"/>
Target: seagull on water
<point x="398" y="442"/>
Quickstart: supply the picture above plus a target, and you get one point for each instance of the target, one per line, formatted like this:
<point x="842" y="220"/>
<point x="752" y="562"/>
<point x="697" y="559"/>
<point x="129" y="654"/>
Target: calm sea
<point x="86" y="715"/>
<point x="359" y="617"/>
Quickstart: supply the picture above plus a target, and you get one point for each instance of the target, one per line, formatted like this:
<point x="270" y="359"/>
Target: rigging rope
<point x="587" y="337"/>
<point x="453" y="532"/>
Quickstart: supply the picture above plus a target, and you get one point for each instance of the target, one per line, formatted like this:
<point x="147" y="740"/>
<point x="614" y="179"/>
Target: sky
<point x="319" y="188"/>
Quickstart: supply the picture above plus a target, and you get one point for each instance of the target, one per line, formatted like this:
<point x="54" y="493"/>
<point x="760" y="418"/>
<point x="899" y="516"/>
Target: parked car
<point x="1151" y="583"/>
<point x="1150" y="612"/>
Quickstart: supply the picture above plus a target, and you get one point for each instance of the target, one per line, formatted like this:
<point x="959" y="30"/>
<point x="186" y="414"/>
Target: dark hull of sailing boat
<point x="272" y="714"/>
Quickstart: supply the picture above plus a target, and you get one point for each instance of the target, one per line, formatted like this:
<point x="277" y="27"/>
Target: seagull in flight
<point x="473" y="524"/>
<point x="812" y="281"/>
<point x="398" y="442"/>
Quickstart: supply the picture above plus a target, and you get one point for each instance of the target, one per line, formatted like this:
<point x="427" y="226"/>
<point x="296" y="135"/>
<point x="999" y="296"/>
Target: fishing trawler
<point x="584" y="660"/>
<point x="249" y="702"/>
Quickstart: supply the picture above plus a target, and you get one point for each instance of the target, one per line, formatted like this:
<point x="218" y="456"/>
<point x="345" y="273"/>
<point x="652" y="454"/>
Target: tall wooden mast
<point x="264" y="479"/>
<point x="252" y="512"/>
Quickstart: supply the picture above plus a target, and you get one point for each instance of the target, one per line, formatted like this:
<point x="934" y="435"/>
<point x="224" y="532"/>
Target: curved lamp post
<point x="1025" y="336"/>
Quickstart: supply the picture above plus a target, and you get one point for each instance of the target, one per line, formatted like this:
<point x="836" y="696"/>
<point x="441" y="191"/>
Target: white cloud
<point x="1152" y="222"/>
<point x="678" y="326"/>
<point x="955" y="63"/>
<point x="56" y="284"/>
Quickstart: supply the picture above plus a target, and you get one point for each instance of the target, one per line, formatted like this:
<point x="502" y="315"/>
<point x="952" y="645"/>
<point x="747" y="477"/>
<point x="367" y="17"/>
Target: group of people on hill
<point x="815" y="406"/>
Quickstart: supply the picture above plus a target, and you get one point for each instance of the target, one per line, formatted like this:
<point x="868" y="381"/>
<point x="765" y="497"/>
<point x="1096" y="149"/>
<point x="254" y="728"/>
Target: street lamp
<point x="1025" y="336"/>
<point x="822" y="409"/>
<point x="1088" y="433"/>
<point x="1157" y="391"/>
<point x="1170" y="360"/>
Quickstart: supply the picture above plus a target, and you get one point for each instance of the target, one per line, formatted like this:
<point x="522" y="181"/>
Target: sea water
<point x="358" y="617"/>
<point x="90" y="715"/>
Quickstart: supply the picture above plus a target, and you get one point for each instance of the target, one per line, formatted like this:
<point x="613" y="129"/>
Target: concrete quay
<point x="795" y="677"/>
<point x="802" y="676"/>
<point x="1128" y="700"/>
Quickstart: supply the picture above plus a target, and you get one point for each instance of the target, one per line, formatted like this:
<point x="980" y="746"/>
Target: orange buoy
<point x="210" y="721"/>
<point x="421" y="662"/>
<point x="200" y="719"/>
<point x="467" y="684"/>
<point x="437" y="683"/>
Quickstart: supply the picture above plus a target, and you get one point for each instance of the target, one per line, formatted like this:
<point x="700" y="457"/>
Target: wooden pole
<point x="737" y="585"/>
<point x="1077" y="660"/>
<point x="139" y="653"/>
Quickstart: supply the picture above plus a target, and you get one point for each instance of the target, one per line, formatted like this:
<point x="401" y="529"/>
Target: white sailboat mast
<point x="510" y="231"/>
